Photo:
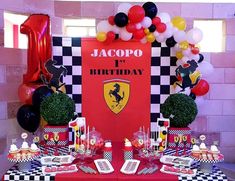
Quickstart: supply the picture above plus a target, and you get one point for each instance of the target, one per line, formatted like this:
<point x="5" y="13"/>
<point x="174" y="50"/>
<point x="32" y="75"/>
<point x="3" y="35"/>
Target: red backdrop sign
<point x="116" y="87"/>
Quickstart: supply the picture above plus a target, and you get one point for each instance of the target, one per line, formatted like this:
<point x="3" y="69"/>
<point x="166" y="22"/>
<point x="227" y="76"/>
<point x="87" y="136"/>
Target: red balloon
<point x="201" y="88"/>
<point x="25" y="92"/>
<point x="111" y="20"/>
<point x="37" y="28"/>
<point x="139" y="34"/>
<point x="195" y="50"/>
<point x="161" y="27"/>
<point x="156" y="21"/>
<point x="136" y="14"/>
<point x="131" y="27"/>
<point x="110" y="37"/>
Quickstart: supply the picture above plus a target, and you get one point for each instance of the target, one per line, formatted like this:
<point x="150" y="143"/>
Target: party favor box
<point x="51" y="132"/>
<point x="179" y="137"/>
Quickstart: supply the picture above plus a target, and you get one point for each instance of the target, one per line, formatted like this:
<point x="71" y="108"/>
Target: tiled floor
<point x="228" y="169"/>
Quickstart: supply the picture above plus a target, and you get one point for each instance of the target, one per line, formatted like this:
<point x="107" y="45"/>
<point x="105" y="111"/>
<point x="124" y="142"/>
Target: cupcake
<point x="215" y="152"/>
<point x="203" y="148"/>
<point x="196" y="152"/>
<point x="24" y="147"/>
<point x="34" y="149"/>
<point x="13" y="151"/>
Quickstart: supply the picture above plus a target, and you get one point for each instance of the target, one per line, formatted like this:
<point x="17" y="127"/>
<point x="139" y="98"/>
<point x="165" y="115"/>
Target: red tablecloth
<point x="116" y="175"/>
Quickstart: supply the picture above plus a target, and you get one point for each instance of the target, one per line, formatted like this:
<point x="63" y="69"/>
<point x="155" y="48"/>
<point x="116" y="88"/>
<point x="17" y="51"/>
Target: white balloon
<point x="194" y="36"/>
<point x="125" y="35"/>
<point x="194" y="57"/>
<point x="104" y="26"/>
<point x="187" y="52"/>
<point x="116" y="29"/>
<point x="176" y="48"/>
<point x="160" y="38"/>
<point x="185" y="59"/>
<point x="179" y="36"/>
<point x="146" y="22"/>
<point x="180" y="62"/>
<point x="138" y="26"/>
<point x="124" y="8"/>
<point x="199" y="100"/>
<point x="155" y="33"/>
<point x="165" y="17"/>
<point x="169" y="30"/>
<point x="143" y="40"/>
<point x="205" y="68"/>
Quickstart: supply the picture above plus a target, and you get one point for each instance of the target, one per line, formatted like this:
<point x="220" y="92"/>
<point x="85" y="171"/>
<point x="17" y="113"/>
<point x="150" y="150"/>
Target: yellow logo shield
<point x="116" y="94"/>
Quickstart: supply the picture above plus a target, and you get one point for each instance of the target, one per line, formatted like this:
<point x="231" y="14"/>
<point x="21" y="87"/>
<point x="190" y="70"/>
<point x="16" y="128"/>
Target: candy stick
<point x="144" y="137"/>
<point x="88" y="142"/>
<point x="147" y="137"/>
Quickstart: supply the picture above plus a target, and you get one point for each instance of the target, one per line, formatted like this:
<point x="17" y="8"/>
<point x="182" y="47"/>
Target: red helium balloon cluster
<point x="131" y="22"/>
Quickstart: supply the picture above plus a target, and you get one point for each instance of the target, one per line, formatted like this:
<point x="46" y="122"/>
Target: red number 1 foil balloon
<point x="37" y="28"/>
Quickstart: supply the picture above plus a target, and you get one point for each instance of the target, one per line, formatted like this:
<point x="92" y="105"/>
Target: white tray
<point x="174" y="160"/>
<point x="57" y="160"/>
<point x="130" y="166"/>
<point x="103" y="166"/>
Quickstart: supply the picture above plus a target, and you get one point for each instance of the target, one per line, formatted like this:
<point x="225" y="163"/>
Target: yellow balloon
<point x="161" y="148"/>
<point x="101" y="36"/>
<point x="184" y="45"/>
<point x="150" y="38"/>
<point x="179" y="23"/>
<point x="179" y="55"/>
<point x="146" y="31"/>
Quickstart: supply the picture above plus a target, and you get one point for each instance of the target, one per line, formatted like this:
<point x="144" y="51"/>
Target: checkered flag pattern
<point x="163" y="65"/>
<point x="216" y="175"/>
<point x="128" y="155"/>
<point x="35" y="173"/>
<point x="67" y="52"/>
<point x="108" y="155"/>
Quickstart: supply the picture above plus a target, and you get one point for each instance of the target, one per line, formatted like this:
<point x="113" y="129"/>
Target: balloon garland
<point x="145" y="24"/>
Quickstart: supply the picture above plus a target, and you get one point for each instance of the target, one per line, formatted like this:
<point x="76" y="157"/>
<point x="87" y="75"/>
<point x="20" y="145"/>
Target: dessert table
<point x="36" y="172"/>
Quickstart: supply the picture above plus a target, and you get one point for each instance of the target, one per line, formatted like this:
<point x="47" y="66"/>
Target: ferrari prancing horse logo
<point x="116" y="94"/>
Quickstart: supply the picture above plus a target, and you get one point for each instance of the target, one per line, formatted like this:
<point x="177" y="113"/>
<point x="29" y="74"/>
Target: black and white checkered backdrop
<point x="67" y="52"/>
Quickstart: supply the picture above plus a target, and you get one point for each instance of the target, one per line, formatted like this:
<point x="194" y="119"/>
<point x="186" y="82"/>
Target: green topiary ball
<point x="180" y="109"/>
<point x="57" y="109"/>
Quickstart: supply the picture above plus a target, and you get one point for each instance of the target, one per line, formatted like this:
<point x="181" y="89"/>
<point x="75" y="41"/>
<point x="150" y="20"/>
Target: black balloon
<point x="201" y="58"/>
<point x="150" y="9"/>
<point x="121" y="19"/>
<point x="164" y="132"/>
<point x="116" y="36"/>
<point x="28" y="118"/>
<point x="152" y="28"/>
<point x="40" y="94"/>
<point x="192" y="95"/>
<point x="170" y="42"/>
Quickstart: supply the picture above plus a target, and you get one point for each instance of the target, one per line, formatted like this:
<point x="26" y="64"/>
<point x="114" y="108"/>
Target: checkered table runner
<point x="36" y="172"/>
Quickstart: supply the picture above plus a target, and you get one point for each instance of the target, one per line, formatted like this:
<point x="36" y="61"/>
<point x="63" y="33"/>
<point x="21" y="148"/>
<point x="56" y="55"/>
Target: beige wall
<point x="216" y="115"/>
